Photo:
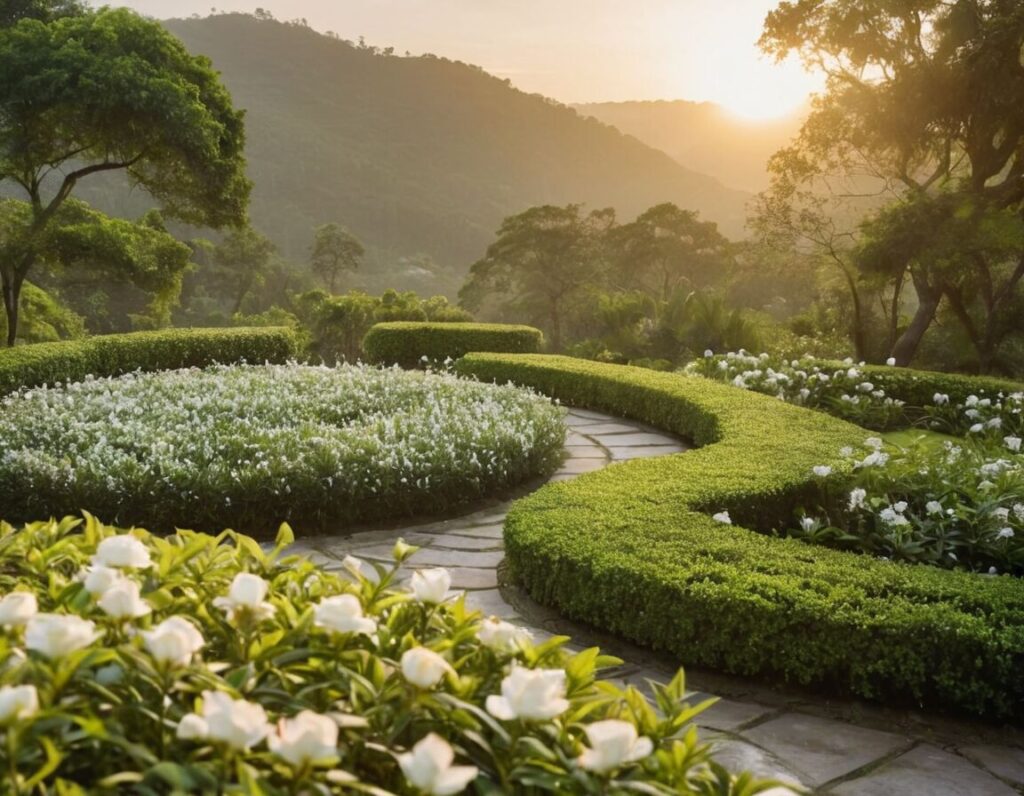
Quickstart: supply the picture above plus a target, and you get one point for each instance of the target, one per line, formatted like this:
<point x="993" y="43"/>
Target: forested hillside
<point x="417" y="155"/>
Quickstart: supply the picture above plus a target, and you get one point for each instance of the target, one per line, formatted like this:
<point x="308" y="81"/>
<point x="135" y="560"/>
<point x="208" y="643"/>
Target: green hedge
<point x="918" y="387"/>
<point x="406" y="343"/>
<point x="111" y="355"/>
<point x="632" y="550"/>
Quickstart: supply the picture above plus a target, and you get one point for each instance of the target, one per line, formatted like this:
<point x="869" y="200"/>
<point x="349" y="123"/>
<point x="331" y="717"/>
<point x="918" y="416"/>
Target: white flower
<point x="1013" y="443"/>
<point x="891" y="362"/>
<point x="977" y="428"/>
<point x="431" y="585"/>
<point x="500" y="635"/>
<point x="343" y="613"/>
<point x="246" y="595"/>
<point x="531" y="694"/>
<point x="428" y="768"/>
<point x="708" y="353"/>
<point x="722" y="517"/>
<point x="1005" y="533"/>
<point x="56" y="635"/>
<point x="822" y="471"/>
<point x="424" y="668"/>
<point x="900" y="506"/>
<point x="235" y="722"/>
<point x="613" y="743"/>
<point x="122" y="601"/>
<point x="995" y="422"/>
<point x="123" y="551"/>
<point x="891" y="517"/>
<point x="940" y="399"/>
<point x="307" y="738"/>
<point x="17" y="608"/>
<point x="857" y="497"/>
<point x="192" y="727"/>
<point x="874" y="443"/>
<point x="18" y="702"/>
<point x="972" y="400"/>
<point x="808" y="523"/>
<point x="98" y="578"/>
<point x="933" y="507"/>
<point x="173" y="641"/>
<point x="353" y="565"/>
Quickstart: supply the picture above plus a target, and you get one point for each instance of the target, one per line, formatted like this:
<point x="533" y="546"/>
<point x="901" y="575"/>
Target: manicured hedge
<point x="406" y="343"/>
<point x="112" y="355"/>
<point x="633" y="550"/>
<point x="918" y="387"/>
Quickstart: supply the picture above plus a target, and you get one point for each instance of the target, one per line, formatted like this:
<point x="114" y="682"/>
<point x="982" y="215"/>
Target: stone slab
<point x="1003" y="761"/>
<point x="607" y="428"/>
<point x="625" y="454"/>
<point x="471" y="579"/>
<point x="726" y="714"/>
<point x="821" y="750"/>
<point x="926" y="771"/>
<point x="638" y="438"/>
<point x="581" y="466"/>
<point x="478" y="531"/>
<point x="491" y="603"/>
<point x="452" y="541"/>
<point x="738" y="755"/>
<point x="585" y="452"/>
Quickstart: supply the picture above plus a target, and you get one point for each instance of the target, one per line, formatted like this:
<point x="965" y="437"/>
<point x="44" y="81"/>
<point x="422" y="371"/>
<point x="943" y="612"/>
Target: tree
<point x="334" y="250"/>
<point x="667" y="247"/>
<point x="12" y="11"/>
<point x="105" y="91"/>
<point x="923" y="97"/>
<point x="241" y="262"/>
<point x="543" y="260"/>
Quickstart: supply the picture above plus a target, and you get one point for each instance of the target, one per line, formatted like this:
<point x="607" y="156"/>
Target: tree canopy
<point x="334" y="251"/>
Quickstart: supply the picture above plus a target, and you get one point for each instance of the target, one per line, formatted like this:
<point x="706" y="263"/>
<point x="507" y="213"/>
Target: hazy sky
<point x="571" y="50"/>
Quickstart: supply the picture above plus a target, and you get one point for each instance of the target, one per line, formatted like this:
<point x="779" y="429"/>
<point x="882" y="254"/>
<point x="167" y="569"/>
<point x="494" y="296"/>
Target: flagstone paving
<point x="825" y="746"/>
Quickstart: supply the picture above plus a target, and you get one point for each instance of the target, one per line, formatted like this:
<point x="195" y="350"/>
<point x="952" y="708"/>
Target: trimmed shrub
<point x="917" y="388"/>
<point x="632" y="550"/>
<point x="198" y="664"/>
<point x="406" y="343"/>
<point x="112" y="355"/>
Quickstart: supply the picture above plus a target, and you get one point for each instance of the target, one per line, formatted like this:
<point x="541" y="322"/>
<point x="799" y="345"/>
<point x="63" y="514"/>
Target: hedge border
<point x="632" y="550"/>
<point x="404" y="343"/>
<point x="112" y="355"/>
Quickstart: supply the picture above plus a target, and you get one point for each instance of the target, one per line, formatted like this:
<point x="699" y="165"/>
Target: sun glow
<point x="764" y="90"/>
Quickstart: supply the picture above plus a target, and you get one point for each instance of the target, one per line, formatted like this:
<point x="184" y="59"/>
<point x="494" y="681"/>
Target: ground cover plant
<point x="131" y="663"/>
<point x="248" y="446"/>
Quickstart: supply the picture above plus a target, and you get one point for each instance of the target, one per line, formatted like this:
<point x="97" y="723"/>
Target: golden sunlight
<point x="761" y="90"/>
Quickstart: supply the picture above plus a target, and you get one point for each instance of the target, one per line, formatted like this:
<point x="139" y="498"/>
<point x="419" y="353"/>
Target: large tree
<point x="544" y="259"/>
<point x="109" y="91"/>
<point x="241" y="263"/>
<point x="334" y="251"/>
<point x="924" y="97"/>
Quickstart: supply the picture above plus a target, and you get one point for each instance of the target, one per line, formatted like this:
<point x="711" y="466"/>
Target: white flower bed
<point x="250" y="446"/>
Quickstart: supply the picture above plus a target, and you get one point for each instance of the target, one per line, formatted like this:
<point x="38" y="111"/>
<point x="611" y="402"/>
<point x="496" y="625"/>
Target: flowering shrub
<point x="250" y="446"/>
<point x="962" y="507"/>
<point x="852" y="392"/>
<point x="221" y="667"/>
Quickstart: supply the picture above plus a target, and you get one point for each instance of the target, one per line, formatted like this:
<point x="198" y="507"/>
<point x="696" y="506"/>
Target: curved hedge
<point x="114" y="354"/>
<point x="406" y="343"/>
<point x="632" y="550"/>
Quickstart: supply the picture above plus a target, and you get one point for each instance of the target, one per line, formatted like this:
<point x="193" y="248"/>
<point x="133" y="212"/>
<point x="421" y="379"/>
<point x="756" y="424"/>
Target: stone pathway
<point x="826" y="746"/>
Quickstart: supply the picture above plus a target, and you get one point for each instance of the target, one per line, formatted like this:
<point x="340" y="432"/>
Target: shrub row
<point x="406" y="343"/>
<point x="112" y="355"/>
<point x="917" y="388"/>
<point x="633" y="550"/>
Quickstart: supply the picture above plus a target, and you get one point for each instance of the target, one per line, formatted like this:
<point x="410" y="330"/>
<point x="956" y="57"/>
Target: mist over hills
<point x="416" y="155"/>
<point x="702" y="136"/>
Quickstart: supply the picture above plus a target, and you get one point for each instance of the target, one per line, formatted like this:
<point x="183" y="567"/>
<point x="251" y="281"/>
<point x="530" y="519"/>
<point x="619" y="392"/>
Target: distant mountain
<point x="418" y="155"/>
<point x="702" y="136"/>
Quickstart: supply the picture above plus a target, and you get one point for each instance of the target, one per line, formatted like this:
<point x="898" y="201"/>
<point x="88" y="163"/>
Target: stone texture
<point x="925" y="771"/>
<point x="821" y="750"/>
<point x="469" y="578"/>
<point x="1003" y="761"/>
<point x="738" y="755"/>
<point x="491" y="603"/>
<point x="625" y="454"/>
<point x="726" y="714"/>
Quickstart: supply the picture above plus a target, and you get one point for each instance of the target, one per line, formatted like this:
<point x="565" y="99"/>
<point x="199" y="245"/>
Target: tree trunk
<point x="12" y="299"/>
<point x="857" y="331"/>
<point x="928" y="298"/>
<point x="556" y="328"/>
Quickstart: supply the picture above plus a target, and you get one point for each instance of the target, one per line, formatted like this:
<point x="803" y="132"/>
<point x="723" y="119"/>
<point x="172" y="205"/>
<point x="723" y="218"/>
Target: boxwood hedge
<point x="112" y="355"/>
<point x="406" y="343"/>
<point x="917" y="388"/>
<point x="633" y="550"/>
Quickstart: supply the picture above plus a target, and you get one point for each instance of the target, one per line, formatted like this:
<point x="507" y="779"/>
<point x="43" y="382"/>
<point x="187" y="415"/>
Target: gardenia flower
<point x="122" y="601"/>
<point x="613" y="743"/>
<point x="98" y="578"/>
<point x="530" y="694"/>
<point x="722" y="517"/>
<point x="933" y="507"/>
<point x="17" y="702"/>
<point x="807" y="523"/>
<point x="900" y="506"/>
<point x="235" y="722"/>
<point x="940" y="399"/>
<point x="246" y="594"/>
<point x="343" y="613"/>
<point x="891" y="362"/>
<point x="56" y="635"/>
<point x="424" y="668"/>
<point x="890" y="517"/>
<point x="174" y="641"/>
<point x="500" y="635"/>
<point x="857" y="497"/>
<point x="431" y="585"/>
<point x="1005" y="533"/>
<point x="307" y="738"/>
<point x="822" y="471"/>
<point x="428" y="767"/>
<point x="977" y="428"/>
<point x="1013" y="443"/>
<point x="17" y="608"/>
<point x="123" y="551"/>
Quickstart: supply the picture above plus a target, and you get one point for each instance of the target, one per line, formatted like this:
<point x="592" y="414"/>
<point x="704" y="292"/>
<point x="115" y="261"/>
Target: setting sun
<point x="764" y="90"/>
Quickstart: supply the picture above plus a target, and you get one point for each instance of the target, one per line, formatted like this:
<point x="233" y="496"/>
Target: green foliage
<point x="410" y="344"/>
<point x="633" y="550"/>
<point x="240" y="263"/>
<point x="109" y="355"/>
<point x="47" y="320"/>
<point x="250" y="446"/>
<point x="334" y="251"/>
<point x="116" y="708"/>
